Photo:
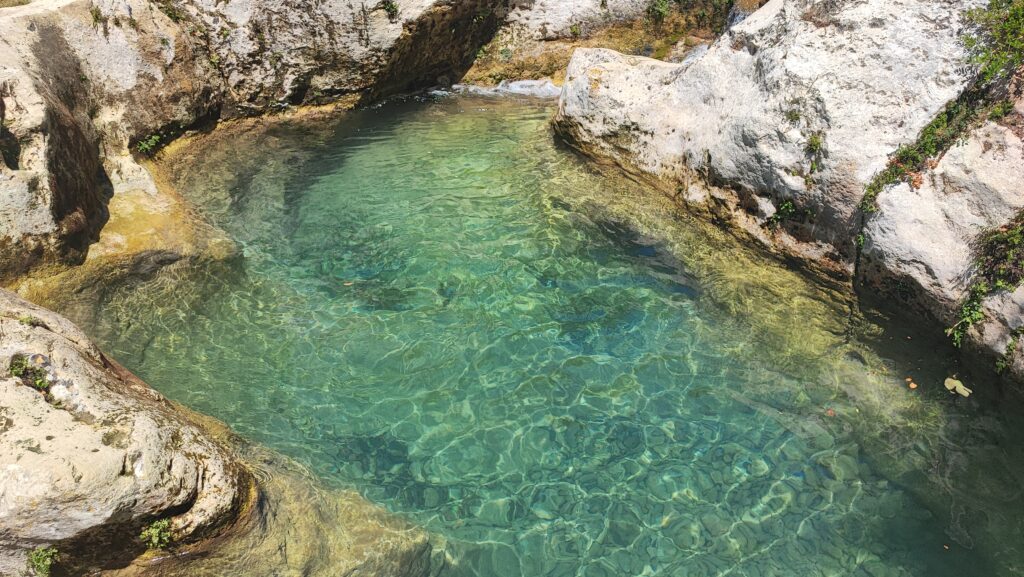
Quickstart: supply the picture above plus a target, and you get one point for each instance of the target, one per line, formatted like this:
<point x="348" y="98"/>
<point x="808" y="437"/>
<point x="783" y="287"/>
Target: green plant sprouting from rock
<point x="1001" y="255"/>
<point x="786" y="211"/>
<point x="147" y="146"/>
<point x="1011" y="347"/>
<point x="30" y="374"/>
<point x="171" y="11"/>
<point x="937" y="137"/>
<point x="815" y="144"/>
<point x="1000" y="267"/>
<point x="658" y="10"/>
<point x="971" y="313"/>
<point x="815" y="149"/>
<point x="157" y="535"/>
<point x="31" y="321"/>
<point x="390" y="7"/>
<point x="97" y="15"/>
<point x="41" y="560"/>
<point x="704" y="13"/>
<point x="1001" y="110"/>
<point x="997" y="43"/>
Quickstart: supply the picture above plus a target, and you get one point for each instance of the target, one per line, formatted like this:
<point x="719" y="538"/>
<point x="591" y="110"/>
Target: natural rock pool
<point x="553" y="372"/>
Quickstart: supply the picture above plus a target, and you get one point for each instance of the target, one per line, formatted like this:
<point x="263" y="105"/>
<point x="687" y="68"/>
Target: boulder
<point x="89" y="455"/>
<point x="801" y="101"/>
<point x="920" y="245"/>
<point x="87" y="462"/>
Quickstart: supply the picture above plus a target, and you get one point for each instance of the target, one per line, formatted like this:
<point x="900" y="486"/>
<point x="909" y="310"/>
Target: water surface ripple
<point x="444" y="310"/>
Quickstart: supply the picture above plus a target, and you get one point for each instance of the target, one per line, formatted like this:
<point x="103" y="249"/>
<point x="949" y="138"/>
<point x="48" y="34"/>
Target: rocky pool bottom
<point x="554" y="372"/>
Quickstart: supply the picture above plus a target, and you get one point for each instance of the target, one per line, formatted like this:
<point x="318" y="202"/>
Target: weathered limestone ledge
<point x="782" y="123"/>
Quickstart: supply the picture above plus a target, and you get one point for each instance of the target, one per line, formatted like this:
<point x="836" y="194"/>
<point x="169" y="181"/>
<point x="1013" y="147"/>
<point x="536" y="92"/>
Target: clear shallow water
<point x="441" y="309"/>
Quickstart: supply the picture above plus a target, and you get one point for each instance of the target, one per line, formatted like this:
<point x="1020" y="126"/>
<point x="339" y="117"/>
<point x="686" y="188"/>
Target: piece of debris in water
<point x="955" y="386"/>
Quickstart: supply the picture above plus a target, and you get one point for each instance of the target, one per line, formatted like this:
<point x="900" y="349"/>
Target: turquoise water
<point x="439" y="307"/>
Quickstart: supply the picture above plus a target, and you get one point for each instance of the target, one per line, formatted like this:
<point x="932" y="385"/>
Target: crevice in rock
<point x="78" y="184"/>
<point x="10" y="148"/>
<point x="426" y="54"/>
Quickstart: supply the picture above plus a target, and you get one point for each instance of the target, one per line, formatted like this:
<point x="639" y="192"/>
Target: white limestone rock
<point x="865" y="76"/>
<point x="99" y="457"/>
<point x="926" y="235"/>
<point x="735" y="126"/>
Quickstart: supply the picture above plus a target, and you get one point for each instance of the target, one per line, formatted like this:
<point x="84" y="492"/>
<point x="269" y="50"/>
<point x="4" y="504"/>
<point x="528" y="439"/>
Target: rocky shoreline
<point x="93" y="456"/>
<point x="782" y="125"/>
<point x="774" y="132"/>
<point x="89" y="91"/>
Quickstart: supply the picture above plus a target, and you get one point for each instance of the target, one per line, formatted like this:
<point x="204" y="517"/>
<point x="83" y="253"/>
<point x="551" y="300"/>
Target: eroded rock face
<point x="87" y="464"/>
<point x="786" y="119"/>
<point x="82" y="83"/>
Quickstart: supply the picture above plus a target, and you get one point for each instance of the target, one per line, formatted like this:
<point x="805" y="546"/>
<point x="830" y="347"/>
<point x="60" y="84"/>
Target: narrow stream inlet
<point x="444" y="310"/>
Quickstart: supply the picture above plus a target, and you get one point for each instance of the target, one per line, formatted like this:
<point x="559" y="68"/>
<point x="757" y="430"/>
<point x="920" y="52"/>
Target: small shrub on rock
<point x="41" y="561"/>
<point x="30" y="374"/>
<point x="147" y="146"/>
<point x="157" y="535"/>
<point x="815" y="144"/>
<point x="997" y="44"/>
<point x="390" y="8"/>
<point x="658" y="10"/>
<point x="31" y="321"/>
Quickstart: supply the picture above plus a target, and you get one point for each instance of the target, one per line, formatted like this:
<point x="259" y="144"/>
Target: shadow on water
<point x="558" y="373"/>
